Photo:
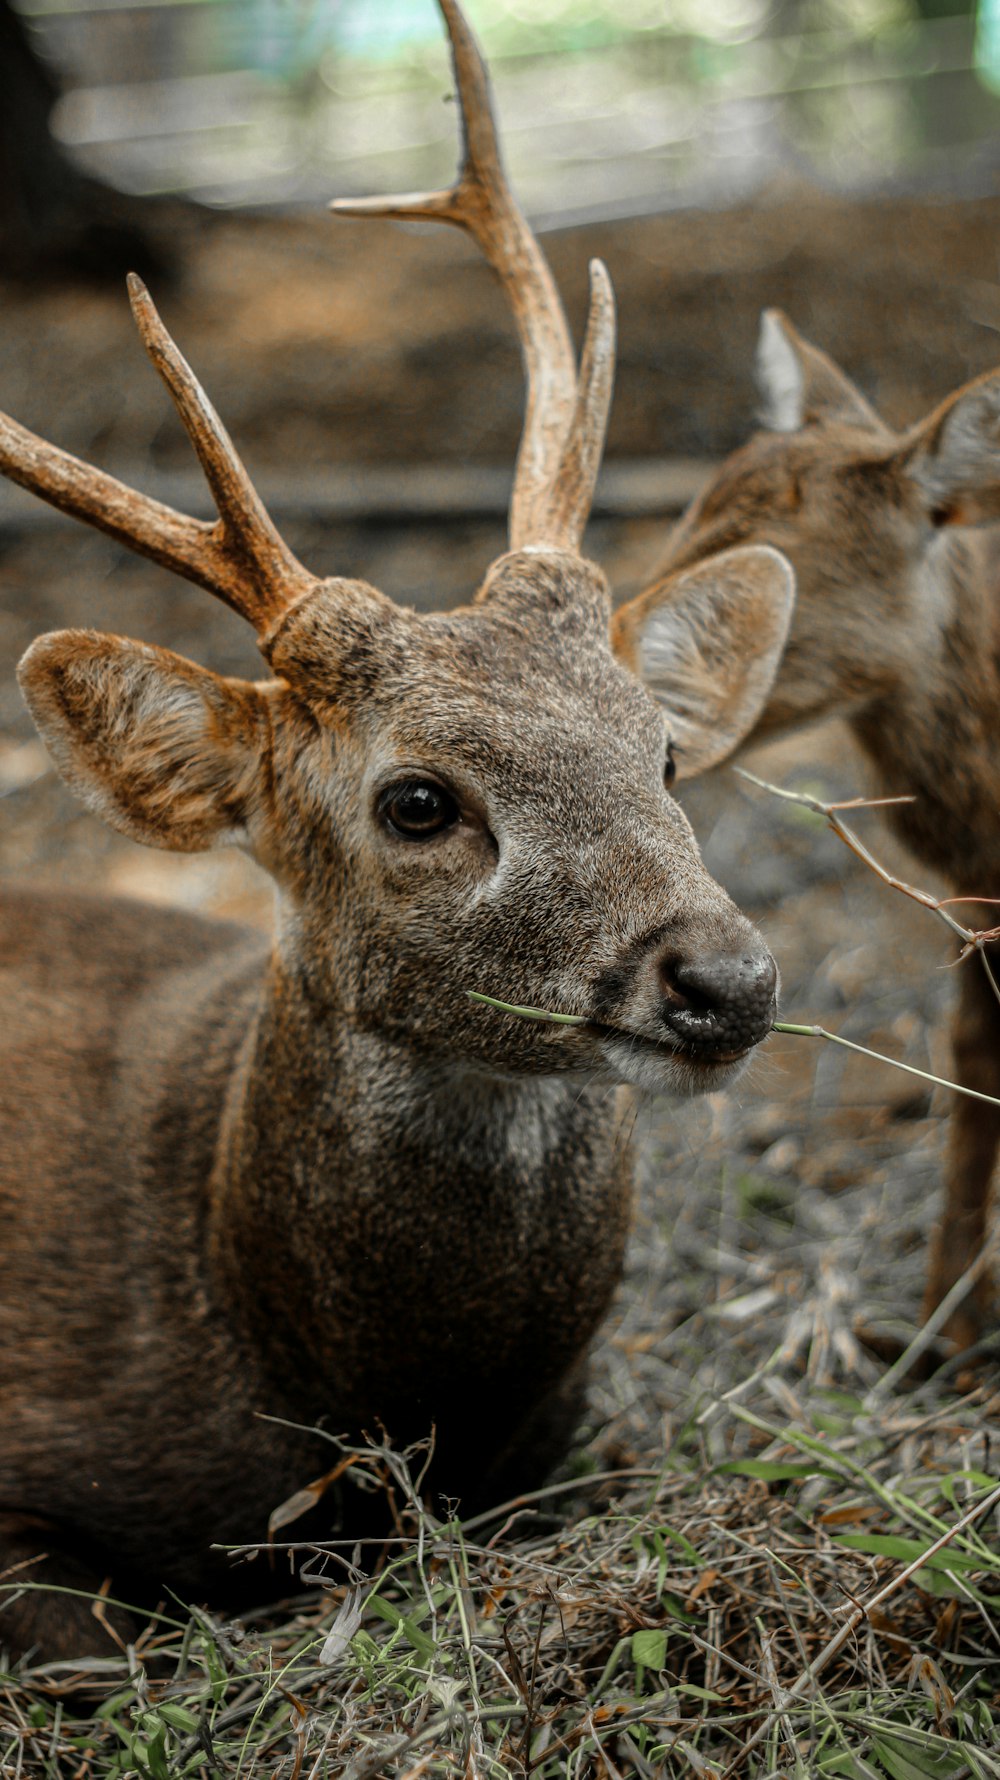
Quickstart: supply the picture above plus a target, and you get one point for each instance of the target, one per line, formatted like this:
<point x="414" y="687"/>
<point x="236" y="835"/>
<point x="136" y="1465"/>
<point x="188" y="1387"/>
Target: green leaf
<point x="978" y="1480"/>
<point x="906" y="1762"/>
<point x="178" y="1717"/>
<point x="842" y="1400"/>
<point x="678" y="1538"/>
<point x="946" y="1588"/>
<point x="218" y="1674"/>
<point x="109" y="1707"/>
<point x="674" y="1606"/>
<point x="527" y="1013"/>
<point x="776" y="1470"/>
<point x="419" y="1641"/>
<point x="831" y="1424"/>
<point x="649" y="1649"/>
<point x="894" y="1546"/>
<point x="153" y="1755"/>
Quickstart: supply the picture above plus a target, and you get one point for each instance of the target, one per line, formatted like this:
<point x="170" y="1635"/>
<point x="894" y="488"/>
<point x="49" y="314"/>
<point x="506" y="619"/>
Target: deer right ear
<point x="707" y="644"/>
<point x="164" y="751"/>
<point x="799" y="385"/>
<point x="954" y="455"/>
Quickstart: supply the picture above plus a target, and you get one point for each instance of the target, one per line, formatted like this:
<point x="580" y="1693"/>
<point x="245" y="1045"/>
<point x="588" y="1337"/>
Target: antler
<point x="566" y="416"/>
<point x="241" y="557"/>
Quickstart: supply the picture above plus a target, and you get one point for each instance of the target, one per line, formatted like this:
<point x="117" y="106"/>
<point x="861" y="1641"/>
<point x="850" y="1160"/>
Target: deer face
<point x="858" y="510"/>
<point x="470" y="802"/>
<point x="467" y="801"/>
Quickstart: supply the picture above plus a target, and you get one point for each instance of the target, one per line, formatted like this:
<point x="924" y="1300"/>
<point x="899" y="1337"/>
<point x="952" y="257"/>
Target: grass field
<point x="805" y="1581"/>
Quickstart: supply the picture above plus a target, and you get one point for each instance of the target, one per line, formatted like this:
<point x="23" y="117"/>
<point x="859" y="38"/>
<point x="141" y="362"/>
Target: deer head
<point x="468" y="800"/>
<point x="863" y="514"/>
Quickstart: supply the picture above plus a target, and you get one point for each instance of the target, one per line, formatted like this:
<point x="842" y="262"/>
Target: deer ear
<point x="800" y="386"/>
<point x="164" y="751"/>
<point x="707" y="644"/>
<point x="954" y="455"/>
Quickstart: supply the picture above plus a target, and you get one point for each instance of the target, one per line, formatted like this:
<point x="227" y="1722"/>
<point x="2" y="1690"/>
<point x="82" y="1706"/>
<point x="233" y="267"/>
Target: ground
<point x="782" y="1231"/>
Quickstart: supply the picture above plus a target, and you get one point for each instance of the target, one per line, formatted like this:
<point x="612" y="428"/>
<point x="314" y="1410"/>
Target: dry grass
<point x="705" y="1609"/>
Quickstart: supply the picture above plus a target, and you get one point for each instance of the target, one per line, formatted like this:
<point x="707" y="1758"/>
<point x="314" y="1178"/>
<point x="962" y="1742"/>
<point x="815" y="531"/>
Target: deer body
<point x="316" y="1281"/>
<point x="896" y="629"/>
<point x="316" y="1181"/>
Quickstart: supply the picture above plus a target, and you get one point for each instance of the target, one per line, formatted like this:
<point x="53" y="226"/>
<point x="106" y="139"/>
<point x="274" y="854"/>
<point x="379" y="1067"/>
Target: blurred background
<point x="609" y="105"/>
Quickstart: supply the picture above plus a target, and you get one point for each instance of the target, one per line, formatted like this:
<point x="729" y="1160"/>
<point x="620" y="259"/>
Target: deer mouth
<point x="672" y="1049"/>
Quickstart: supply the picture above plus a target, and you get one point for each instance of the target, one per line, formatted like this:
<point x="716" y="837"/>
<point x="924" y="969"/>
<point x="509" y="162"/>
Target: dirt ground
<point x="812" y="1188"/>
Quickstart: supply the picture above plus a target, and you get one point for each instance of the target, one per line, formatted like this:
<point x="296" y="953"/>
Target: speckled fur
<point x="315" y="1180"/>
<point x="897" y="629"/>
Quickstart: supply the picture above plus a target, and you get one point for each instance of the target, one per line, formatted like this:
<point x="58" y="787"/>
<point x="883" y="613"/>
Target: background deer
<point x="312" y="1178"/>
<point x="896" y="628"/>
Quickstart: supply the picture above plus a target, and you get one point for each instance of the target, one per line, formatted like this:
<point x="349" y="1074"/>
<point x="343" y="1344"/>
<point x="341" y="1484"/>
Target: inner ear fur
<point x="954" y="455"/>
<point x="800" y="386"/>
<point x="165" y="751"/>
<point x="707" y="643"/>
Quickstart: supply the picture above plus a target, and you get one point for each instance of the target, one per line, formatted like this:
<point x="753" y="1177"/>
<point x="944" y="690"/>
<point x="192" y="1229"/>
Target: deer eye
<point x="417" y="809"/>
<point x="669" y="766"/>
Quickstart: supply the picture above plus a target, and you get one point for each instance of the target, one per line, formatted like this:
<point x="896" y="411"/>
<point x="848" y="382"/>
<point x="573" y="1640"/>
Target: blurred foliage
<point x="270" y="32"/>
<point x="606" y="104"/>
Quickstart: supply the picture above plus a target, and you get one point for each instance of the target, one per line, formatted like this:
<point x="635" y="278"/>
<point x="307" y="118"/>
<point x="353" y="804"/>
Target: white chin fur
<point x="667" y="1072"/>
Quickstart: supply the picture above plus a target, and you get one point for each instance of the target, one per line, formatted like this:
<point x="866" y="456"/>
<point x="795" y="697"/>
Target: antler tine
<point x="76" y="488"/>
<point x="240" y="558"/>
<point x="573" y="490"/>
<point x="481" y="202"/>
<point x="252" y="545"/>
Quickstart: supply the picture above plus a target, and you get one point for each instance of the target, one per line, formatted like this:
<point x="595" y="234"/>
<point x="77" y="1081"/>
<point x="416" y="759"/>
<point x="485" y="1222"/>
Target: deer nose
<point x="719" y="1002"/>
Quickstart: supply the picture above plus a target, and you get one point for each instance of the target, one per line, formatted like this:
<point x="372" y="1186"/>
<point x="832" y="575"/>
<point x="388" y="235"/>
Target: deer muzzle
<point x="719" y="1004"/>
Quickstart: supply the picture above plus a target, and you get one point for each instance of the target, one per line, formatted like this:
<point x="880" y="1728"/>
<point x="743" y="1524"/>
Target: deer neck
<point x="934" y="732"/>
<point x="375" y="1210"/>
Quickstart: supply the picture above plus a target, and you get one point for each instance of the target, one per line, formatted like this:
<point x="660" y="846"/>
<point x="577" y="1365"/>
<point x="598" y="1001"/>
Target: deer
<point x="254" y="1186"/>
<point x="896" y="629"/>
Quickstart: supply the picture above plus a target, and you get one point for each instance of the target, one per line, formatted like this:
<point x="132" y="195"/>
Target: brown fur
<point x="315" y="1180"/>
<point x="897" y="629"/>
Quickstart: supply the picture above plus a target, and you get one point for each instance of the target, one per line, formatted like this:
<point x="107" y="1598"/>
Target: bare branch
<point x="973" y="939"/>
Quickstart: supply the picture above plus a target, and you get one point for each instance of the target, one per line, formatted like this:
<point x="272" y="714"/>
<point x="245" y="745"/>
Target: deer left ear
<point x="164" y="751"/>
<point x="954" y="455"/>
<point x="801" y="386"/>
<point x="707" y="644"/>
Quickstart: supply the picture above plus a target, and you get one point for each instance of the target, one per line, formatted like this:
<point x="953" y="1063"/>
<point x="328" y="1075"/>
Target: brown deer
<point x="896" y="628"/>
<point x="313" y="1178"/>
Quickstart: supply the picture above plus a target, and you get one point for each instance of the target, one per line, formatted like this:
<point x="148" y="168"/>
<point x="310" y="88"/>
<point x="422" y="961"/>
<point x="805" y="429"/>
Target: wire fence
<point x="607" y="107"/>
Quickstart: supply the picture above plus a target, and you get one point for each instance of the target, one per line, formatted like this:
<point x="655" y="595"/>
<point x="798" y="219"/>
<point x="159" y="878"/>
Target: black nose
<point x="719" y="1002"/>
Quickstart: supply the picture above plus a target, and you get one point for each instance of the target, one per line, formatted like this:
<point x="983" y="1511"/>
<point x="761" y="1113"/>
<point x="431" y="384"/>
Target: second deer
<point x="896" y="628"/>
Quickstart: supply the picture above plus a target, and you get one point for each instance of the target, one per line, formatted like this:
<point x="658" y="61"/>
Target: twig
<point x="933" y="1326"/>
<point x="835" y="1038"/>
<point x="541" y="1013"/>
<point x="527" y="1013"/>
<point x="973" y="939"/>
